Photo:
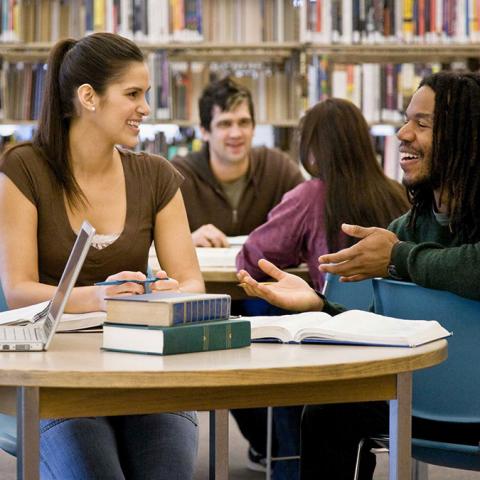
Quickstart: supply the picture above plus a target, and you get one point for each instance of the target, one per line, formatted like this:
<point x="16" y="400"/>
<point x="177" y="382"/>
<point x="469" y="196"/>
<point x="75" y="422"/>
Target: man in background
<point x="229" y="189"/>
<point x="229" y="186"/>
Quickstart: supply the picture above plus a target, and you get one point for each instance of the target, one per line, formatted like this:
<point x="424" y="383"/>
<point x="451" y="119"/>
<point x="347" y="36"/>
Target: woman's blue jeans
<point x="159" y="446"/>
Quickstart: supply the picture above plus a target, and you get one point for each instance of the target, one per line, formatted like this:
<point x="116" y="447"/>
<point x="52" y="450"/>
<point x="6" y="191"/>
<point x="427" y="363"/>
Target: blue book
<point x="169" y="308"/>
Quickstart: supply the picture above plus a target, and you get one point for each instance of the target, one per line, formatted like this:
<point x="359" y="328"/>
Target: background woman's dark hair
<point x="455" y="163"/>
<point x="98" y="59"/>
<point x="226" y="94"/>
<point x="335" y="145"/>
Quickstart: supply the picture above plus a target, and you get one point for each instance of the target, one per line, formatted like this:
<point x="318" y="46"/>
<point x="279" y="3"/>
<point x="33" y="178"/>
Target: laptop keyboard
<point x="20" y="334"/>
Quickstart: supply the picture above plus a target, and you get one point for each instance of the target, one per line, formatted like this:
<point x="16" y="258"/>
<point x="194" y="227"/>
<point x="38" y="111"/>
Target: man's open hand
<point x="368" y="258"/>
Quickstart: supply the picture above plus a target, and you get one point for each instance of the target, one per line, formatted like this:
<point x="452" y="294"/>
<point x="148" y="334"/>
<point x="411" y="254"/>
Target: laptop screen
<point x="69" y="277"/>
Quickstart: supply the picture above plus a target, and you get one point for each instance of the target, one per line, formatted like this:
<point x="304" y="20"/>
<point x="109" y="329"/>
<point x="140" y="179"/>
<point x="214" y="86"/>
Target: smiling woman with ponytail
<point x="75" y="170"/>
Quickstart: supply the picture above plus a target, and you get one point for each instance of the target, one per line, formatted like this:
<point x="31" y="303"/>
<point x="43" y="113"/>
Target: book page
<point x="285" y="327"/>
<point x="72" y="322"/>
<point x="371" y="328"/>
<point x="21" y="315"/>
<point x="217" y="257"/>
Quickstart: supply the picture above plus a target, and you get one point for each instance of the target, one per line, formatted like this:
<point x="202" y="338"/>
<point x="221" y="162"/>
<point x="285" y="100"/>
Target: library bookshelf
<point x="289" y="53"/>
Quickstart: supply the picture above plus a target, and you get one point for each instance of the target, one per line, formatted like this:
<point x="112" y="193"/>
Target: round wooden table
<point x="76" y="378"/>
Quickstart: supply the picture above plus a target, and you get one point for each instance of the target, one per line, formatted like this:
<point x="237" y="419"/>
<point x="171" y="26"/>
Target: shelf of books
<point x="389" y="21"/>
<point x="289" y="53"/>
<point x="375" y="52"/>
<point x="153" y="21"/>
<point x="176" y="85"/>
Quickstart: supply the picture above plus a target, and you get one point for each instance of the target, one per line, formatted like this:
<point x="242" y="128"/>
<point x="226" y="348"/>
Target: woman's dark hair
<point x="455" y="162"/>
<point x="335" y="146"/>
<point x="98" y="59"/>
<point x="227" y="95"/>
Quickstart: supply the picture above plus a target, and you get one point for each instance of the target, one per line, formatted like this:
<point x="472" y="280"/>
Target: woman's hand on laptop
<point x="287" y="291"/>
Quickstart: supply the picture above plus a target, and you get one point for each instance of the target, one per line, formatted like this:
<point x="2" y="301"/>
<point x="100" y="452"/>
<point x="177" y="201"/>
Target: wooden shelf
<point x="201" y="51"/>
<point x="8" y="121"/>
<point x="401" y="53"/>
<point x="277" y="52"/>
<point x="181" y="123"/>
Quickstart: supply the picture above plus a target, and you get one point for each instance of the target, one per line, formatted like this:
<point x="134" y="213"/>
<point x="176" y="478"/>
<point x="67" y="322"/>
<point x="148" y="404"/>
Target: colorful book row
<point x="176" y="87"/>
<point x="387" y="21"/>
<point x="381" y="91"/>
<point x="243" y="21"/>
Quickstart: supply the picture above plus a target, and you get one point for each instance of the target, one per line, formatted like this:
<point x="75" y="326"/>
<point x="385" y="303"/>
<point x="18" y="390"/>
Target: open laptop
<point x="37" y="337"/>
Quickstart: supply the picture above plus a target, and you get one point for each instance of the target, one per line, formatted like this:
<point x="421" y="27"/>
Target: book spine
<point x="206" y="337"/>
<point x="198" y="337"/>
<point x="201" y="310"/>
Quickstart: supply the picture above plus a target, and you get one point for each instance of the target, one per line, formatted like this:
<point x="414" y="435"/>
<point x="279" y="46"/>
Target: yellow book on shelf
<point x="99" y="15"/>
<point x="44" y="18"/>
<point x="408" y="25"/>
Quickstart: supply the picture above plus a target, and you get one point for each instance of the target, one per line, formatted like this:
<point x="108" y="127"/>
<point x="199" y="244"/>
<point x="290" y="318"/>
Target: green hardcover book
<point x="193" y="337"/>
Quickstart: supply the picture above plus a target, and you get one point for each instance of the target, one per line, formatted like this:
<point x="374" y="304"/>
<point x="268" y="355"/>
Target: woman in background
<point x="348" y="186"/>
<point x="94" y="100"/>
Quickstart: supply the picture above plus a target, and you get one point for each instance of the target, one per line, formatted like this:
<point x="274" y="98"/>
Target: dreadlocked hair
<point x="455" y="152"/>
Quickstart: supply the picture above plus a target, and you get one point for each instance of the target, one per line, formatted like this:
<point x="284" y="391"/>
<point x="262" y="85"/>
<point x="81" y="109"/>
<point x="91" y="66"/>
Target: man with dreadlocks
<point x="436" y="245"/>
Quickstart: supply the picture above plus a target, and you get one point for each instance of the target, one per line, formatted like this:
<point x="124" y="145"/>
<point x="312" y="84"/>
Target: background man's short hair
<point x="227" y="95"/>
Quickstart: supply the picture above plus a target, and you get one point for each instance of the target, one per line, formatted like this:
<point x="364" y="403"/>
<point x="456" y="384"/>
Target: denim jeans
<point x="252" y="422"/>
<point x="159" y="446"/>
<point x="286" y="421"/>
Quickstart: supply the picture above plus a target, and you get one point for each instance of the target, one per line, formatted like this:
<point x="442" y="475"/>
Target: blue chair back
<point x="3" y="301"/>
<point x="449" y="392"/>
<point x="8" y="434"/>
<point x="352" y="295"/>
<point x="8" y="424"/>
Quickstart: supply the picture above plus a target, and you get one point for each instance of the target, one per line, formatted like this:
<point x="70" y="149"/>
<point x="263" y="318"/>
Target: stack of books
<point x="167" y="323"/>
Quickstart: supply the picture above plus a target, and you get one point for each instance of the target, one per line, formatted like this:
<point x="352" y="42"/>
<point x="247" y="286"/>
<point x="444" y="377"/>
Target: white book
<point x="217" y="257"/>
<point x="351" y="327"/>
<point x="152" y="93"/>
<point x="356" y="94"/>
<point x="70" y="321"/>
<point x="55" y="20"/>
<point x="155" y="22"/>
<point x="371" y="92"/>
<point x="261" y="105"/>
<point x="312" y="76"/>
<point x="109" y="26"/>
<point x="304" y="34"/>
<point x="347" y="22"/>
<point x="391" y="158"/>
<point x="280" y="21"/>
<point x="461" y="21"/>
<point x="125" y="18"/>
<point x="439" y="21"/>
<point x="326" y="35"/>
<point x="339" y="82"/>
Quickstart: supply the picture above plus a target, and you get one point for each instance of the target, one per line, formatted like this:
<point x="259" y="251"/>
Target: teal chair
<point x="8" y="424"/>
<point x="3" y="302"/>
<point x="449" y="392"/>
<point x="351" y="295"/>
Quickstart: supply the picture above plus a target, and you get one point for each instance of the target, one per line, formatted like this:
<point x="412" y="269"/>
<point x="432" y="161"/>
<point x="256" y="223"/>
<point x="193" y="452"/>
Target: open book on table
<point x="350" y="327"/>
<point x="70" y="322"/>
